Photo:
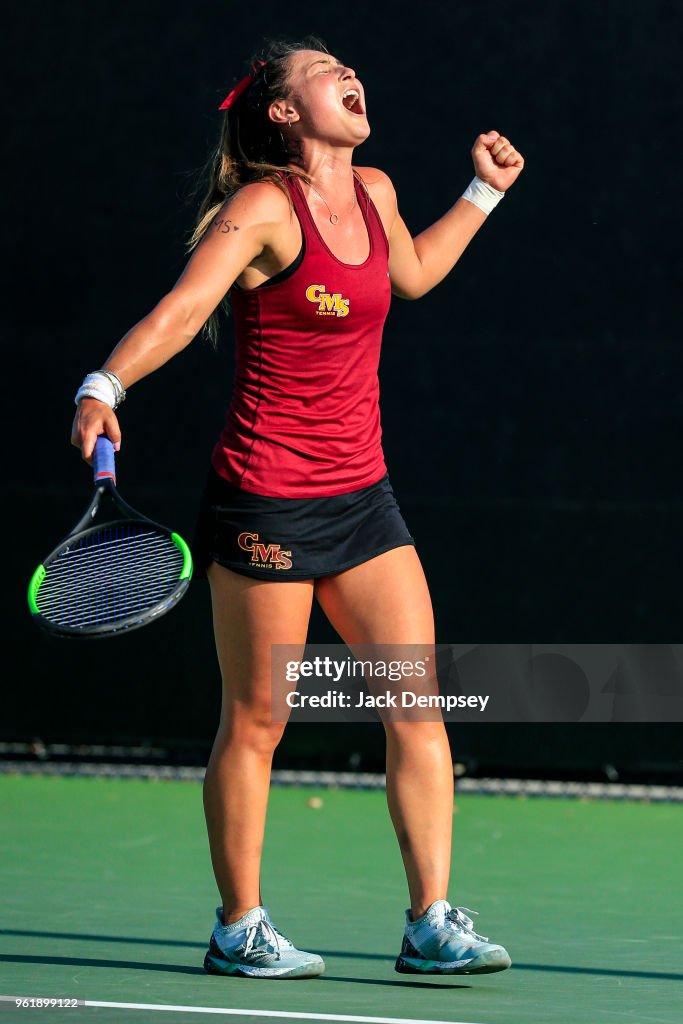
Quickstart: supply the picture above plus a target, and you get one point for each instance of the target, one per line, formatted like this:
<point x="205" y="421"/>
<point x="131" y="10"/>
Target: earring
<point x="289" y="123"/>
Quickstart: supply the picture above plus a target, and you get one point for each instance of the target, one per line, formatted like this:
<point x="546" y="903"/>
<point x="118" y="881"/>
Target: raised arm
<point x="417" y="264"/>
<point x="245" y="228"/>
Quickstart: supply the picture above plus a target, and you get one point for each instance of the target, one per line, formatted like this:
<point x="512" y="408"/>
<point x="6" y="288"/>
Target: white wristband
<point x="92" y="392"/>
<point x="486" y="197"/>
<point x="103" y="385"/>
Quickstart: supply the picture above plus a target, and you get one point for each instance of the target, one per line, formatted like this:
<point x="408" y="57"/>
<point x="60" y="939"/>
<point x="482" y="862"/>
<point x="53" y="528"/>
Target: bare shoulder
<point x="258" y="202"/>
<point x="382" y="192"/>
<point x="378" y="183"/>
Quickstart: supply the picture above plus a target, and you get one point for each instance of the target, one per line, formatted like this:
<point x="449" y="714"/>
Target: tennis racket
<point x="116" y="571"/>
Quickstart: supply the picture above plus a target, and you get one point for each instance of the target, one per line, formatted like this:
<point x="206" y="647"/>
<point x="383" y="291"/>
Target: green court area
<point x="108" y="895"/>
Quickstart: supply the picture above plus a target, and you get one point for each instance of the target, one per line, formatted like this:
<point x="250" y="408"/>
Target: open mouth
<point x="352" y="101"/>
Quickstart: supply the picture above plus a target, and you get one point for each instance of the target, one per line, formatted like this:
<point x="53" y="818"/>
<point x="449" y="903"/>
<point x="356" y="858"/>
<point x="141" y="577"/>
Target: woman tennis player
<point x="298" y="503"/>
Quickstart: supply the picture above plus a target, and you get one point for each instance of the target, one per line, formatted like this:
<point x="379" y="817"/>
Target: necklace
<point x="334" y="217"/>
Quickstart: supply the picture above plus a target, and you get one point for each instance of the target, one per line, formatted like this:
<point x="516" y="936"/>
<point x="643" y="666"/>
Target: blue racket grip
<point x="103" y="459"/>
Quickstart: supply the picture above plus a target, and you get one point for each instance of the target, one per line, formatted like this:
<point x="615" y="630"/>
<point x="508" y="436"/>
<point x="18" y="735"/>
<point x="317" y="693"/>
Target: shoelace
<point x="460" y="922"/>
<point x="284" y="942"/>
<point x="268" y="935"/>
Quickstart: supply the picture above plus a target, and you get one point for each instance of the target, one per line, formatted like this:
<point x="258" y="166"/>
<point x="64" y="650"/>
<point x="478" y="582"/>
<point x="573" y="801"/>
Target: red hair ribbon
<point x="235" y="93"/>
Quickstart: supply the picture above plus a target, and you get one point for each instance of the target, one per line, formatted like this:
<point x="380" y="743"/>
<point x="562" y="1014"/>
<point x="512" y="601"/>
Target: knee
<point x="250" y="726"/>
<point x="415" y="736"/>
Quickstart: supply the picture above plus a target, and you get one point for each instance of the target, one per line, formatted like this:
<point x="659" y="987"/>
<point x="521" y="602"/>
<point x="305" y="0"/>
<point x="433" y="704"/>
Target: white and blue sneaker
<point x="442" y="941"/>
<point x="253" y="948"/>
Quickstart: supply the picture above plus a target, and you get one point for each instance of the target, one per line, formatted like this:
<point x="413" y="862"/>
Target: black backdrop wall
<point x="532" y="403"/>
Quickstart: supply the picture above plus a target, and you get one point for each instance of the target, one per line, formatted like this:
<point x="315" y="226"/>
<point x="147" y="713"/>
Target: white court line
<point x="247" y="1013"/>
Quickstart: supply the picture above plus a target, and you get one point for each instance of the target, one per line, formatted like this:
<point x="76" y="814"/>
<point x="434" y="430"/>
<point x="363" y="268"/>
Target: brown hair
<point x="251" y="147"/>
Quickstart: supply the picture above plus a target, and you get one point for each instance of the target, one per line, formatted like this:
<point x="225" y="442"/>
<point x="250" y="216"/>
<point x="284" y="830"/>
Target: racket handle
<point x="103" y="459"/>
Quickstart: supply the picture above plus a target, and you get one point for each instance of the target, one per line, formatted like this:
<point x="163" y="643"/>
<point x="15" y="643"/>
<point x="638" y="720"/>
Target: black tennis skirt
<point x="294" y="538"/>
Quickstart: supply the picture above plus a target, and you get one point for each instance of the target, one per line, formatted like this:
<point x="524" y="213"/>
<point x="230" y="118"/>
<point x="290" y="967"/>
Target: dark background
<point x="532" y="403"/>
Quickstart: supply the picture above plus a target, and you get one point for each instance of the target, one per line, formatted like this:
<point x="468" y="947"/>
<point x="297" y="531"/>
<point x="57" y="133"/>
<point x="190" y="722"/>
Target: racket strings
<point x="110" y="575"/>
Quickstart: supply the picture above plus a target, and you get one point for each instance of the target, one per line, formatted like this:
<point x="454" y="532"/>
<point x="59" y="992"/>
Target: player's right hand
<point x="92" y="419"/>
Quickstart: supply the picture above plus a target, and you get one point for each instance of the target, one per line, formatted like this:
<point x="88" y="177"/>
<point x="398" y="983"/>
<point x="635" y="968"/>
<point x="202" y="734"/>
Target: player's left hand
<point x="496" y="161"/>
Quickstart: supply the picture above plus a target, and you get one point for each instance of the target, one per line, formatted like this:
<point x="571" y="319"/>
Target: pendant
<point x="334" y="219"/>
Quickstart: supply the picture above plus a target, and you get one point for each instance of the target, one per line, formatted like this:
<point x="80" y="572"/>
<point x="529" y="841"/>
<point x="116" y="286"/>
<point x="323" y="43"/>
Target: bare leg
<point x="248" y="617"/>
<point x="386" y="601"/>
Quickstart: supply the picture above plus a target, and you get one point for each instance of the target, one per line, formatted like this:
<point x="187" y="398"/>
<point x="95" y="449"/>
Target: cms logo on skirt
<point x="264" y="556"/>
<point x="328" y="304"/>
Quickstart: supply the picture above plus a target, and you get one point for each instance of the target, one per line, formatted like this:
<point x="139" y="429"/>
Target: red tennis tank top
<point x="304" y="417"/>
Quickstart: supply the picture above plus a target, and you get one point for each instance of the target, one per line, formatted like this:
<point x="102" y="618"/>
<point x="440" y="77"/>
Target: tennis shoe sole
<point x="216" y="962"/>
<point x="486" y="962"/>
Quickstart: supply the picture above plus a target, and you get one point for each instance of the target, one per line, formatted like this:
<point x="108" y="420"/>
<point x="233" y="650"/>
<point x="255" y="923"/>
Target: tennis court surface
<point x="108" y="896"/>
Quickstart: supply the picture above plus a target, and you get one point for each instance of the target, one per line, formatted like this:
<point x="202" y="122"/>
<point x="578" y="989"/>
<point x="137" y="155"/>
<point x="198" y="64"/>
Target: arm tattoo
<point x="223" y="226"/>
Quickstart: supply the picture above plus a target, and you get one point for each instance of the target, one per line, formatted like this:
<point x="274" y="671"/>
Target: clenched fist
<point x="496" y="161"/>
